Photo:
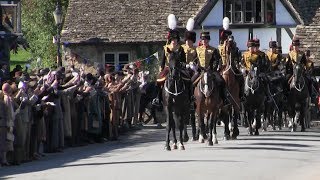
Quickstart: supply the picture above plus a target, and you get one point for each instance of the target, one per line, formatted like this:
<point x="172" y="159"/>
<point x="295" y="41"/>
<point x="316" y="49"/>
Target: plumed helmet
<point x="172" y="24"/>
<point x="190" y="34"/>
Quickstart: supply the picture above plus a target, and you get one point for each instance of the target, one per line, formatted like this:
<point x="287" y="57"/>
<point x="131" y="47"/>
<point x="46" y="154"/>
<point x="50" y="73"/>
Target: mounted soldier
<point x="209" y="60"/>
<point x="190" y="50"/>
<point x="273" y="56"/>
<point x="191" y="56"/>
<point x="296" y="56"/>
<point x="172" y="45"/>
<point x="228" y="49"/>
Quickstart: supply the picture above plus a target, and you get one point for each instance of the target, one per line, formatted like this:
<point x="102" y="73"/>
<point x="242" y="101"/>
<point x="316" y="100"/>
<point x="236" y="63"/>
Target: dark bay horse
<point x="208" y="102"/>
<point x="231" y="75"/>
<point x="176" y="100"/>
<point x="297" y="98"/>
<point x="275" y="106"/>
<point x="255" y="96"/>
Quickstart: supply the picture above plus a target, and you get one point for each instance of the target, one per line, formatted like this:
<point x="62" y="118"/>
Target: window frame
<point x="253" y="10"/>
<point x="116" y="56"/>
<point x="16" y="14"/>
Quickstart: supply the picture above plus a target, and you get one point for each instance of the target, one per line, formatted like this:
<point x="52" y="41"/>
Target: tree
<point x="38" y="27"/>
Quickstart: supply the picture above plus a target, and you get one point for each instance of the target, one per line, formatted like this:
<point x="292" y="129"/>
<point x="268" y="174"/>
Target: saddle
<point x="164" y="73"/>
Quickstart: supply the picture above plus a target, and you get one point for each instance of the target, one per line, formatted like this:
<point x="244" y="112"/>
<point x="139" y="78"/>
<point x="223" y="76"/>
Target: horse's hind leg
<point x="210" y="124"/>
<point x="201" y="126"/>
<point x="226" y="119"/>
<point x="181" y="125"/>
<point x="235" y="131"/>
<point x="249" y="121"/>
<point x="168" y="128"/>
<point x="214" y="124"/>
<point x="258" y="122"/>
<point x="193" y="124"/>
<point x="173" y="125"/>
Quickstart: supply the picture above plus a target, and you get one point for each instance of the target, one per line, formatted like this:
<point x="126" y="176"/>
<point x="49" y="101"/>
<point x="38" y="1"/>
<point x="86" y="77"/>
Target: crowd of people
<point x="62" y="107"/>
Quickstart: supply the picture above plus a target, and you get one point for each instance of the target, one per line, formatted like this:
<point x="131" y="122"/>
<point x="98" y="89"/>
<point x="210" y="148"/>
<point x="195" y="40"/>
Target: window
<point x="250" y="11"/>
<point x="10" y="17"/>
<point x="116" y="58"/>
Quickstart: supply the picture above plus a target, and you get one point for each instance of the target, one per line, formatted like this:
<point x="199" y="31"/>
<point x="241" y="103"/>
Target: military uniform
<point x="273" y="57"/>
<point x="235" y="55"/>
<point x="297" y="57"/>
<point x="191" y="53"/>
<point x="209" y="60"/>
<point x="208" y="57"/>
<point x="250" y="59"/>
<point x="293" y="58"/>
<point x="173" y="34"/>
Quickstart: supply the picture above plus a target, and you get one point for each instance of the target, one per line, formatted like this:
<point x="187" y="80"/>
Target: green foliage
<point x="38" y="27"/>
<point x="21" y="58"/>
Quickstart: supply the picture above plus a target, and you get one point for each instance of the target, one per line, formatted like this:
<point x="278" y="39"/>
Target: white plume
<point x="225" y="23"/>
<point x="172" y="21"/>
<point x="190" y="24"/>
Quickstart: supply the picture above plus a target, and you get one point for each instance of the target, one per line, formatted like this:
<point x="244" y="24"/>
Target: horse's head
<point x="254" y="76"/>
<point x="175" y="84"/>
<point x="207" y="84"/>
<point x="174" y="65"/>
<point x="298" y="71"/>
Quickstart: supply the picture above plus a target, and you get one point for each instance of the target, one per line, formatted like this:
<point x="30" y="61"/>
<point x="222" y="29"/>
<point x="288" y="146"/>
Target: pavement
<point x="138" y="155"/>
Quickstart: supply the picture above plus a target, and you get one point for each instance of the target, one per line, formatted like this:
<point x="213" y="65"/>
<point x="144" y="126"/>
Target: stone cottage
<point x="120" y="31"/>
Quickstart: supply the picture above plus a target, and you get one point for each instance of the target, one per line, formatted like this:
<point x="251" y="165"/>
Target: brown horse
<point x="208" y="102"/>
<point x="231" y="74"/>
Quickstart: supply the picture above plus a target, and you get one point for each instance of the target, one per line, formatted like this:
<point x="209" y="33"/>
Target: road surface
<point x="139" y="155"/>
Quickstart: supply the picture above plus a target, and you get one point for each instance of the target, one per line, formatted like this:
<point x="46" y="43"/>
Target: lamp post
<point x="58" y="20"/>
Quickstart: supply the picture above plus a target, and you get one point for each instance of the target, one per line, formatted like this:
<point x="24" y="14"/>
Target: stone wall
<point x="95" y="53"/>
<point x="310" y="37"/>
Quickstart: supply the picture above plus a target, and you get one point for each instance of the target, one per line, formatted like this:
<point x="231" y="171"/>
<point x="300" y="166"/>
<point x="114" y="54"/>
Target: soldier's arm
<point x="278" y="60"/>
<point x="215" y="60"/>
<point x="163" y="61"/>
<point x="304" y="60"/>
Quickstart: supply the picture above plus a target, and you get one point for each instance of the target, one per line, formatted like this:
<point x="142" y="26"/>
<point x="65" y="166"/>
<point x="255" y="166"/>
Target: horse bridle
<point x="176" y="93"/>
<point x="250" y="87"/>
<point x="202" y="90"/>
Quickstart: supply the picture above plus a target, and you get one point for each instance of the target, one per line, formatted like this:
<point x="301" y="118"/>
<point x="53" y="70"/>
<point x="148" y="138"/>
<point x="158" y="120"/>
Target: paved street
<point x="140" y="155"/>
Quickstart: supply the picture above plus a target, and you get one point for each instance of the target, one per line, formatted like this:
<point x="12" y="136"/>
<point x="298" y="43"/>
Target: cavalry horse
<point x="255" y="96"/>
<point x="208" y="102"/>
<point x="276" y="105"/>
<point x="298" y="96"/>
<point x="230" y="75"/>
<point x="175" y="100"/>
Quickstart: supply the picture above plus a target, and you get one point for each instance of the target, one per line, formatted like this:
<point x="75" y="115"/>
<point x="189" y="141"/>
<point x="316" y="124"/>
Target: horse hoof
<point x="226" y="138"/>
<point x="194" y="139"/>
<point x="167" y="148"/>
<point x="175" y="146"/>
<point x="256" y="133"/>
<point x="210" y="143"/>
<point x="303" y="130"/>
<point x="216" y="142"/>
<point x="233" y="137"/>
<point x="181" y="147"/>
<point x="201" y="139"/>
<point x="186" y="139"/>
